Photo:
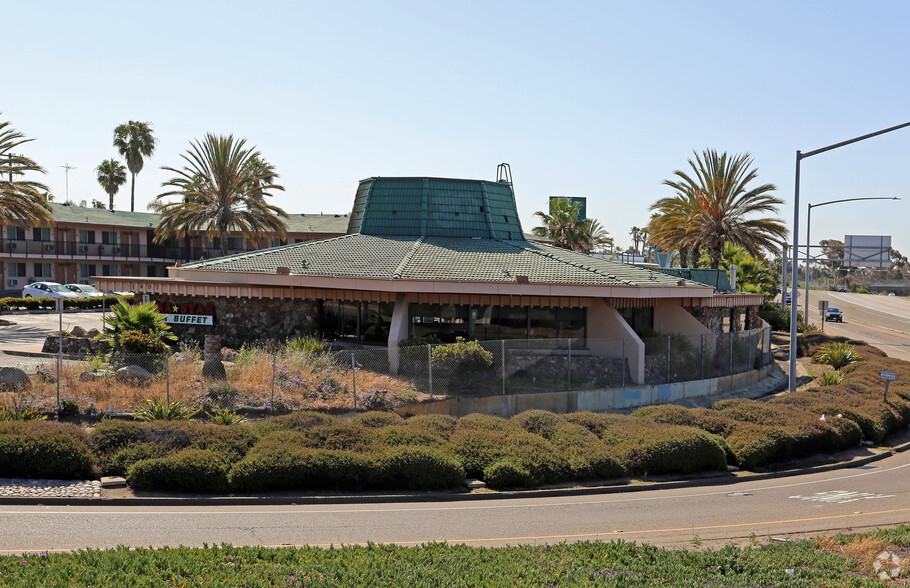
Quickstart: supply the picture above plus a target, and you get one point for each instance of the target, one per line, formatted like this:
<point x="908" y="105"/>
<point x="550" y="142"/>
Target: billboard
<point x="582" y="204"/>
<point x="867" y="251"/>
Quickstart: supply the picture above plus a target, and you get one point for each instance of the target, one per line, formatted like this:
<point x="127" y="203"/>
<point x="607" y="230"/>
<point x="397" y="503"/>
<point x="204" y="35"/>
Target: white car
<point x="47" y="290"/>
<point x="85" y="290"/>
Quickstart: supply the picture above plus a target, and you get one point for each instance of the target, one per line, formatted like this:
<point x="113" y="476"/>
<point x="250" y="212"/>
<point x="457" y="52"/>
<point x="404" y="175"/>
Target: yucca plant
<point x="306" y="344"/>
<point x="20" y="413"/>
<point x="838" y="355"/>
<point x="830" y="378"/>
<point x="162" y="410"/>
<point x="137" y="326"/>
<point x="225" y="417"/>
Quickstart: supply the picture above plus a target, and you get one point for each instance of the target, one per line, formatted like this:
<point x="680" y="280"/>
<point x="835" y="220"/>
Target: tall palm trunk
<point x="684" y="257"/>
<point x="132" y="195"/>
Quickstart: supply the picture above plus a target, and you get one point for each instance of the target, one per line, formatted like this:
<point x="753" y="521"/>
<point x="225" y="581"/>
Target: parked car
<point x="119" y="293"/>
<point x="85" y="290"/>
<point x="834" y="314"/>
<point x="788" y="298"/>
<point x="47" y="290"/>
<point x="842" y="289"/>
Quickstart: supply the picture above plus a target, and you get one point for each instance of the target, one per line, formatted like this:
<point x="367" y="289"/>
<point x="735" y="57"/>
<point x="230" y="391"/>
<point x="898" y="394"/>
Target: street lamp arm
<point x="800" y="155"/>
<point x="853" y="200"/>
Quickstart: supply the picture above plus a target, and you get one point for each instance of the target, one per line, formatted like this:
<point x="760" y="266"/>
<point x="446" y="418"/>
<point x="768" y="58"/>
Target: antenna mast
<point x="67" y="167"/>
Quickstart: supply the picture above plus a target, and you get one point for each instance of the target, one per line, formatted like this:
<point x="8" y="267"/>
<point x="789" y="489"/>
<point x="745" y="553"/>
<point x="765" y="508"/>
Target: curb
<point x="716" y="480"/>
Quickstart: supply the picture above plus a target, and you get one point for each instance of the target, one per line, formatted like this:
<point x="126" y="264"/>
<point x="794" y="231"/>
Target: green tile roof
<point x="439" y="258"/>
<point x="435" y="207"/>
<point x="296" y="223"/>
<point x="63" y="213"/>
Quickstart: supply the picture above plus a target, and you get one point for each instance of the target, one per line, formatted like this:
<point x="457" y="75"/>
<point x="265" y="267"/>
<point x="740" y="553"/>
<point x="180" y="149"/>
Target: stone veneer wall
<point x="240" y="320"/>
<point x="713" y="318"/>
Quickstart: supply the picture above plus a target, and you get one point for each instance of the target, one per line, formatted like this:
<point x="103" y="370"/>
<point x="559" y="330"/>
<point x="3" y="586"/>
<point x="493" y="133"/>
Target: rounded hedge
<point x="38" y="449"/>
<point x="191" y="470"/>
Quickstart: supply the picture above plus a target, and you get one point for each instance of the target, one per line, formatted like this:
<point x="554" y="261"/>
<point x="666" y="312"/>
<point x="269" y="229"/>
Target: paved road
<point x="882" y="321"/>
<point x="875" y="495"/>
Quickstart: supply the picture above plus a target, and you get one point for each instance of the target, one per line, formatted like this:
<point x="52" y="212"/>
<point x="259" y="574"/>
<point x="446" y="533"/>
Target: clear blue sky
<point x="601" y="99"/>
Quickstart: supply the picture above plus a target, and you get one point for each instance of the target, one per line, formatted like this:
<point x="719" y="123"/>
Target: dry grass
<point x="302" y="382"/>
<point x="865" y="549"/>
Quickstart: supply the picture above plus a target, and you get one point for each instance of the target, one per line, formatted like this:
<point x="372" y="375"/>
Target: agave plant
<point x="225" y="417"/>
<point x="20" y="413"/>
<point x="838" y="355"/>
<point x="830" y="378"/>
<point x="162" y="410"/>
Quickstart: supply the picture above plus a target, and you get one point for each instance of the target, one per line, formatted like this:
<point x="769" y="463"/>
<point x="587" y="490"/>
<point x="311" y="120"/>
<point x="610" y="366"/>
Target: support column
<point x="398" y="330"/>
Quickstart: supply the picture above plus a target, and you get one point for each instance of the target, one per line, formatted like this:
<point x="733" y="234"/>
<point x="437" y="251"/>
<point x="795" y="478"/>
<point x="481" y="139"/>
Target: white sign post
<point x="888" y="377"/>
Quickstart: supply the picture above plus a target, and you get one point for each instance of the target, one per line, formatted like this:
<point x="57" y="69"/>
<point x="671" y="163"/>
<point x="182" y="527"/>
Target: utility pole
<point x="67" y="167"/>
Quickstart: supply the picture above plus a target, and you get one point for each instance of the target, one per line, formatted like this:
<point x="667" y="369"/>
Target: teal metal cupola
<point x="436" y="207"/>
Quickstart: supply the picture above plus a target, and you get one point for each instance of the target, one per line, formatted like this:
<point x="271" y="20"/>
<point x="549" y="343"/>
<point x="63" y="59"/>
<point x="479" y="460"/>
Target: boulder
<point x="77" y="331"/>
<point x="12" y="378"/>
<point x="133" y="375"/>
<point x="92" y="333"/>
<point x="91" y="376"/>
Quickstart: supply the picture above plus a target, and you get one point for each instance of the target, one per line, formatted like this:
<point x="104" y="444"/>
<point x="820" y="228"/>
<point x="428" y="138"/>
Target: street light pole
<point x="809" y="242"/>
<point x="793" y="307"/>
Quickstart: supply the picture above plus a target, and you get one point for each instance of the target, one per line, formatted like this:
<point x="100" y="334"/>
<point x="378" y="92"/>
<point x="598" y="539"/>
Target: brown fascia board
<point x="245" y="279"/>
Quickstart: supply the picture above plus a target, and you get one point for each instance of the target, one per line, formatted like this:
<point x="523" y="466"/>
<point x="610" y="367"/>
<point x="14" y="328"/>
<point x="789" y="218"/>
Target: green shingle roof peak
<point x="435" y="207"/>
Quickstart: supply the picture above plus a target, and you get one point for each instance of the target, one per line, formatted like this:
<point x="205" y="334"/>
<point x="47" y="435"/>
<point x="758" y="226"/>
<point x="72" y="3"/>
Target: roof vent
<point x="284" y="271"/>
<point x="522" y="279"/>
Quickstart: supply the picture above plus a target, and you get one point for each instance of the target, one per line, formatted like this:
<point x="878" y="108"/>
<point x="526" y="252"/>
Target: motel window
<point x="109" y="237"/>
<point x="278" y="242"/>
<point x="110" y="270"/>
<point x="41" y="234"/>
<point x="16" y="269"/>
<point x="86" y="236"/>
<point x="14" y="233"/>
<point x="87" y="270"/>
<point x="42" y="270"/>
<point x="151" y="271"/>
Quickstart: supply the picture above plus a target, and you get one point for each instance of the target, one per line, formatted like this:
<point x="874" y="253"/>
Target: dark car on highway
<point x="834" y="314"/>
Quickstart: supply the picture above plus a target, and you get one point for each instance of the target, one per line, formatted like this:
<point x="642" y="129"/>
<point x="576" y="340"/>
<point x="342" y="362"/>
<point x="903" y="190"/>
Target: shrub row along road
<point x="880" y="321"/>
<point x="874" y="495"/>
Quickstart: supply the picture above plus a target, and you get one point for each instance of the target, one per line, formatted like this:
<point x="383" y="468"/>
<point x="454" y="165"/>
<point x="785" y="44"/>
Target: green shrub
<point x="404" y="436"/>
<point x="419" y="468"/>
<point x="506" y="473"/>
<point x="588" y="457"/>
<point x="838" y="355"/>
<point x="112" y="434"/>
<point x="270" y="467"/>
<point x="440" y="425"/>
<point x="38" y="449"/>
<point x="461" y="355"/>
<point x="484" y="422"/>
<point x="295" y="421"/>
<point x="340" y="436"/>
<point x="121" y="460"/>
<point x="190" y="470"/>
<point x="372" y="420"/>
<point x="478" y="449"/>
<point x="539" y="422"/>
<point x="669" y="449"/>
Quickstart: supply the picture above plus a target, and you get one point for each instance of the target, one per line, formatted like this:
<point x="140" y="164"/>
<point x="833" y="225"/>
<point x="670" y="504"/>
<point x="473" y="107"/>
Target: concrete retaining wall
<point x="604" y="399"/>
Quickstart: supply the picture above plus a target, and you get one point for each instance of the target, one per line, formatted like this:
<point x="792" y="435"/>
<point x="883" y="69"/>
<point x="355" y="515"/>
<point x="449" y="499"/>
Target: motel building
<point x="445" y="257"/>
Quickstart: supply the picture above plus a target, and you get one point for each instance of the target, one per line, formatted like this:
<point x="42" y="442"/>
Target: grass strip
<point x="844" y="560"/>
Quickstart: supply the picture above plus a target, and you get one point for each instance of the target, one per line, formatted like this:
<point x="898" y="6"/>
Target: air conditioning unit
<point x="116" y="250"/>
<point x="12" y="245"/>
<point x="12" y="282"/>
<point x="48" y="246"/>
<point x="83" y="249"/>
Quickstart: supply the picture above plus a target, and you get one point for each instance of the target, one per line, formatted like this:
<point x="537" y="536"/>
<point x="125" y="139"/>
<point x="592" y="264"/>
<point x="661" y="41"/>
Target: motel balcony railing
<point x="75" y="250"/>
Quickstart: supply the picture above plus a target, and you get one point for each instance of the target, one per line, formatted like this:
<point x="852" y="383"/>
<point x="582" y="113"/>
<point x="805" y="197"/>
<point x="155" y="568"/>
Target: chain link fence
<point x="278" y="381"/>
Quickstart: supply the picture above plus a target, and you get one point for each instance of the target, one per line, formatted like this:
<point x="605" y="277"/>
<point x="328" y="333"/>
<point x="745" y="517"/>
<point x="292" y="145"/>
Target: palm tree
<point x="671" y="229"/>
<point x="135" y="141"/>
<point x="222" y="188"/>
<point x="111" y="175"/>
<point x="720" y="206"/>
<point x="566" y="230"/>
<point x="21" y="200"/>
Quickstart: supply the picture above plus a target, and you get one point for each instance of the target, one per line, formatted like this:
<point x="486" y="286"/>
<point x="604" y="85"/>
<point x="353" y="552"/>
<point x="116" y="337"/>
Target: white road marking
<point x="841" y="496"/>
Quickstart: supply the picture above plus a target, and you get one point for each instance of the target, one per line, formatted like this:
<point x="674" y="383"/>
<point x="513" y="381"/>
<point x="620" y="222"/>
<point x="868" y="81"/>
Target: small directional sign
<point x="889" y="376"/>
